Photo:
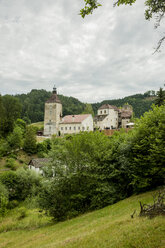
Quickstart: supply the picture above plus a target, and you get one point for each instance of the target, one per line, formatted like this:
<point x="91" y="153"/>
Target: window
<point x="74" y="128"/>
<point x="65" y="128"/>
<point x="83" y="128"/>
<point x="100" y="112"/>
<point x="61" y="128"/>
<point x="78" y="128"/>
<point x="70" y="128"/>
<point x="105" y="111"/>
<point x="87" y="128"/>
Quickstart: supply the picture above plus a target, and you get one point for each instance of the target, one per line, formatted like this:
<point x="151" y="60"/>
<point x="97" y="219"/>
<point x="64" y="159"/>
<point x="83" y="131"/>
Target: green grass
<point x="111" y="227"/>
<point x="21" y="159"/>
<point x="38" y="124"/>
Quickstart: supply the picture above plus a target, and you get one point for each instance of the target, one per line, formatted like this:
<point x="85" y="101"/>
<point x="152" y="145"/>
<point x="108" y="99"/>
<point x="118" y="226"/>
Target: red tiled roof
<point x="74" y="118"/>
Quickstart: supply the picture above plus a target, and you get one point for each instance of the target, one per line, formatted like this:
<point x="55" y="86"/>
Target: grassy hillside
<point x="111" y="227"/>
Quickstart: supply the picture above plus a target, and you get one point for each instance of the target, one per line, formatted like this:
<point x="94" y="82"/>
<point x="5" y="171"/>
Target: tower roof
<point x="107" y="106"/>
<point x="54" y="97"/>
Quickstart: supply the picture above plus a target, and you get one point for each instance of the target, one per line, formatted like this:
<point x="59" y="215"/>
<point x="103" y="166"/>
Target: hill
<point x="110" y="227"/>
<point x="140" y="103"/>
<point x="32" y="104"/>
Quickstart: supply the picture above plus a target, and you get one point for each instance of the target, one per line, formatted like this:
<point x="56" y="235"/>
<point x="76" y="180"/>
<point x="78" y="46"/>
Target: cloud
<point x="104" y="56"/>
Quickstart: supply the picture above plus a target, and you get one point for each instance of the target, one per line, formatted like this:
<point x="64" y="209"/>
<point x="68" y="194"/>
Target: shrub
<point x="11" y="163"/>
<point x="13" y="204"/>
<point x="3" y="205"/>
<point x="22" y="213"/>
<point x="21" y="183"/>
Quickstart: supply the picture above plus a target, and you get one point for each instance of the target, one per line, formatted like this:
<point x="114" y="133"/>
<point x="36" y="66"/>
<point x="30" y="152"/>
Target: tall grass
<point x="111" y="227"/>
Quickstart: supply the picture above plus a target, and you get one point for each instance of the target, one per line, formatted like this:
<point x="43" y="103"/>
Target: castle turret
<point x="53" y="114"/>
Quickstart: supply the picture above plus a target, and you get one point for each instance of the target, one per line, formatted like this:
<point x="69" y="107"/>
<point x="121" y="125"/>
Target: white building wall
<point x="87" y="124"/>
<point x="74" y="128"/>
<point x="110" y="121"/>
<point x="103" y="111"/>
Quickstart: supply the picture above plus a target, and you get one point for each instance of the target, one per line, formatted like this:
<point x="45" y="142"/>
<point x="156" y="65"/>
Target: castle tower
<point x="53" y="114"/>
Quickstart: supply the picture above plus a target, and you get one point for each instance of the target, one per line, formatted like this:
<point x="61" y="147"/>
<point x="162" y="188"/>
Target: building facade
<point x="54" y="123"/>
<point x="111" y="117"/>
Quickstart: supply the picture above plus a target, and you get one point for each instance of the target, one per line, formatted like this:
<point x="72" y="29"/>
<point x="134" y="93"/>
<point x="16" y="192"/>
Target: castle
<point x="108" y="117"/>
<point x="54" y="123"/>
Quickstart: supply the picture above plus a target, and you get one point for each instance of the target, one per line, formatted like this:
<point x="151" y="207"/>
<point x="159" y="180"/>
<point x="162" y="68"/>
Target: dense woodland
<point x="30" y="106"/>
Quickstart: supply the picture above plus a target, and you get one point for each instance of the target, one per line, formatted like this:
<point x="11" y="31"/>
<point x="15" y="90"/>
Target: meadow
<point x="110" y="227"/>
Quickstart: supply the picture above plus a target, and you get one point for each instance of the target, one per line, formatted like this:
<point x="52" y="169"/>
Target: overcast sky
<point x="107" y="55"/>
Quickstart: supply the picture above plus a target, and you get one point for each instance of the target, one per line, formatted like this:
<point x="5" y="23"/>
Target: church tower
<point x="53" y="114"/>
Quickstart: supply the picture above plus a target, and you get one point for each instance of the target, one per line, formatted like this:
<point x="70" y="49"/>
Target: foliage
<point x="30" y="142"/>
<point x="160" y="100"/>
<point x="15" y="139"/>
<point x="3" y="191"/>
<point x="90" y="5"/>
<point x="10" y="112"/>
<point x="20" y="183"/>
<point x="4" y="147"/>
<point x="153" y="8"/>
<point x="22" y="211"/>
<point x="147" y="150"/>
<point x="33" y="105"/>
<point x="22" y="124"/>
<point x="89" y="170"/>
<point x="43" y="147"/>
<point x="11" y="163"/>
<point x="108" y="227"/>
<point x="3" y="205"/>
<point x="88" y="109"/>
<point x="139" y="102"/>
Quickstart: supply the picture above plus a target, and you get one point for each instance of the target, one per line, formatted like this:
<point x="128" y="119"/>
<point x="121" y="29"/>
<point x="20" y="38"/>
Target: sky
<point x="106" y="55"/>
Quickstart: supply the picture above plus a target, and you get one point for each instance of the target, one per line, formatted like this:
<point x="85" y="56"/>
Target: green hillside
<point x="140" y="103"/>
<point x="33" y="104"/>
<point x="111" y="227"/>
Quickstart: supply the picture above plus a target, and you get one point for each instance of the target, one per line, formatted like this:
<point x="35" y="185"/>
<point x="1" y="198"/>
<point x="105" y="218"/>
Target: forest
<point x="30" y="106"/>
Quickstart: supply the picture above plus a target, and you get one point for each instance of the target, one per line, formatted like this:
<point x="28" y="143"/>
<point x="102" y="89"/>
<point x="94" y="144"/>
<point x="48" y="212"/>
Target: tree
<point x="2" y="116"/>
<point x="15" y="139"/>
<point x="154" y="8"/>
<point x="147" y="154"/>
<point x="160" y="100"/>
<point x="30" y="142"/>
<point x="12" y="111"/>
<point x="88" y="109"/>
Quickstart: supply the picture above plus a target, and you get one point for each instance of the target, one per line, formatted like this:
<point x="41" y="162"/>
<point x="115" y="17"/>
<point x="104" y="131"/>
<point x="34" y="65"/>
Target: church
<point x="54" y="123"/>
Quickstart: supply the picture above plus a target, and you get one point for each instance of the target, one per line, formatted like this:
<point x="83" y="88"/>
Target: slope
<point x="111" y="227"/>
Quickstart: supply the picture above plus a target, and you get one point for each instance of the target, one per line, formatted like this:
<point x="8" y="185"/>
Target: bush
<point x="13" y="204"/>
<point x="21" y="183"/>
<point x="11" y="163"/>
<point x="3" y="205"/>
<point x="22" y="213"/>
